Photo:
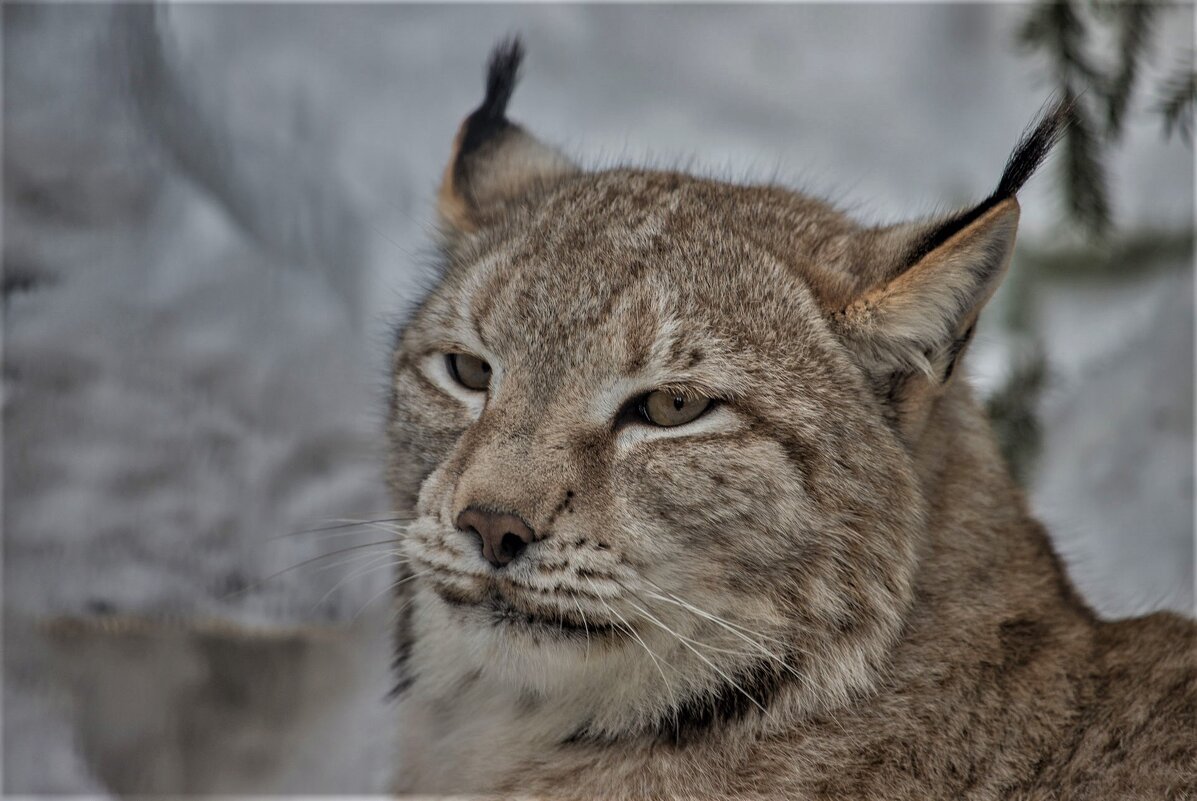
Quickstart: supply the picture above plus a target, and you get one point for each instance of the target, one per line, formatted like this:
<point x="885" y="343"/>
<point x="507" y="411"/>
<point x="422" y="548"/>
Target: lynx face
<point x="657" y="430"/>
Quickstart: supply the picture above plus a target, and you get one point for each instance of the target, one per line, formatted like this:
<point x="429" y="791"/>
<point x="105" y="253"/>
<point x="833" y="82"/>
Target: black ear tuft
<point x="490" y="118"/>
<point x="494" y="160"/>
<point x="1036" y="142"/>
<point x="502" y="74"/>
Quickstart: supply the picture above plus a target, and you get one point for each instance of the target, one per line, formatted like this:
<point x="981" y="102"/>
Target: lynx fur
<point x="825" y="586"/>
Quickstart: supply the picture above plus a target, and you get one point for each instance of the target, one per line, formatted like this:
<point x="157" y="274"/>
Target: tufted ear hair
<point x="919" y="320"/>
<point x="494" y="161"/>
<point x="930" y="280"/>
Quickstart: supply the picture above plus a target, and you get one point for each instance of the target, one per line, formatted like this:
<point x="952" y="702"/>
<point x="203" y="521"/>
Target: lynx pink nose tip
<point x="502" y="536"/>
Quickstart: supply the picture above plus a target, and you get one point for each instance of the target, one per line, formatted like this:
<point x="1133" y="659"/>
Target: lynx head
<point x="662" y="435"/>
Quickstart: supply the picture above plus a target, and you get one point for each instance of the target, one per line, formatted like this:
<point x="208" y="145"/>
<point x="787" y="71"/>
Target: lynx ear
<point x="920" y="320"/>
<point x="495" y="161"/>
<point x="932" y="279"/>
<point x="929" y="282"/>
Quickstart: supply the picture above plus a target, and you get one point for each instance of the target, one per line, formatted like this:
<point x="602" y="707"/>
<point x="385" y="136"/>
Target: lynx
<point x="703" y="507"/>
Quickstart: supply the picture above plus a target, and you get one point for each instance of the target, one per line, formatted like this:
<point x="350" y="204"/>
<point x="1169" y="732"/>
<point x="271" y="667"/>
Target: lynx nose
<point x="503" y="536"/>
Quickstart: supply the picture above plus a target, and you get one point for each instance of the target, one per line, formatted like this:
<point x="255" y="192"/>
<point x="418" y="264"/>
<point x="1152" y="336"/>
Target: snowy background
<point x="195" y="348"/>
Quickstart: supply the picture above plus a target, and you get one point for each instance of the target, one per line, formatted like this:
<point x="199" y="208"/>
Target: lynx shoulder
<point x="704" y="507"/>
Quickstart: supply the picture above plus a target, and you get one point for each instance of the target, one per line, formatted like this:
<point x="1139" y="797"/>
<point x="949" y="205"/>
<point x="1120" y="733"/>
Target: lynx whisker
<point x="342" y="523"/>
<point x="631" y="630"/>
<point x="355" y="558"/>
<point x="683" y="638"/>
<point x="585" y="627"/>
<point x="257" y="585"/>
<point x="673" y="599"/>
<point x="389" y="589"/>
<point x="651" y="619"/>
<point x="376" y="562"/>
<point x="330" y="555"/>
<point x="739" y="632"/>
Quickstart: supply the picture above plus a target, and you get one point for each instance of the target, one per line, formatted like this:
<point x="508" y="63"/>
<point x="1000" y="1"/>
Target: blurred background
<point x="204" y="249"/>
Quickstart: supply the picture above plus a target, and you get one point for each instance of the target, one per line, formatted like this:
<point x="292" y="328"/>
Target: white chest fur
<point x="468" y="742"/>
<point x="466" y="724"/>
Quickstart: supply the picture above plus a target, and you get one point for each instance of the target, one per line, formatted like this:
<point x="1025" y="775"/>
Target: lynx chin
<point x="703" y="506"/>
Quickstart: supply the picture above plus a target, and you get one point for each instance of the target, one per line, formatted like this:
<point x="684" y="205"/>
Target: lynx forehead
<point x="699" y="495"/>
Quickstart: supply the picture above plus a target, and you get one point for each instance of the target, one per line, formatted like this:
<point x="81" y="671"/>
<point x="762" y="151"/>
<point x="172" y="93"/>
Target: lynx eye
<point x="669" y="409"/>
<point x="469" y="371"/>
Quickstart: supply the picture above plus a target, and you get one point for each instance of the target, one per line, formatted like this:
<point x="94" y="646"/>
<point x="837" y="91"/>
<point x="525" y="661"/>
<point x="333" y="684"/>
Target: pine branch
<point x="1013" y="412"/>
<point x="1135" y="26"/>
<point x="1177" y="100"/>
<point x="1086" y="196"/>
<point x="1058" y="29"/>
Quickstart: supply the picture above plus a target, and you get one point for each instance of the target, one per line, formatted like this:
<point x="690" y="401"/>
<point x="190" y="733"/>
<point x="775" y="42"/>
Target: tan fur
<point x="450" y="202"/>
<point x="827" y="587"/>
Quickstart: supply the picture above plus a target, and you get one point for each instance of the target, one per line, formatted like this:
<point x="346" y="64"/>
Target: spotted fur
<point x="827" y="586"/>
